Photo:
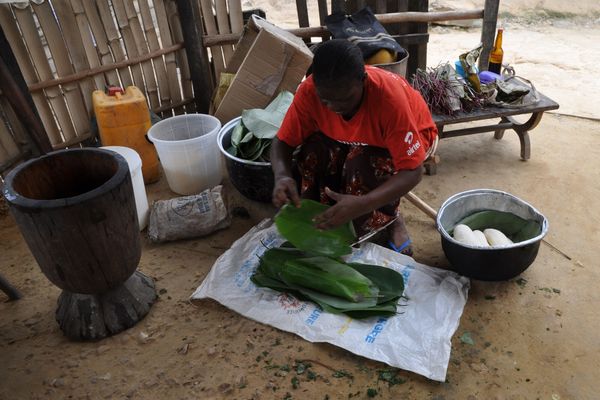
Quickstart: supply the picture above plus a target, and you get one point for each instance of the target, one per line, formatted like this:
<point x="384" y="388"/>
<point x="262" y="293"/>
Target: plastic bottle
<point x="496" y="55"/>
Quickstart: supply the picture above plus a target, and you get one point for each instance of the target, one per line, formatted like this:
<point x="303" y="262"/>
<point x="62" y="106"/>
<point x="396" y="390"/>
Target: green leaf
<point x="389" y="282"/>
<point x="329" y="277"/>
<point x="265" y="123"/>
<point x="516" y="228"/>
<point x="232" y="150"/>
<point x="297" y="226"/>
<point x="237" y="134"/>
<point x="247" y="137"/>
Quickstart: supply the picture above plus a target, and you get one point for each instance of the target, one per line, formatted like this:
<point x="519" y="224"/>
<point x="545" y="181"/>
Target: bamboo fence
<point x="66" y="49"/>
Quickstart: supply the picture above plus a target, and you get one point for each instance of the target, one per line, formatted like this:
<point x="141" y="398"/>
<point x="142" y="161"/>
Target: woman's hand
<point x="285" y="191"/>
<point x="347" y="208"/>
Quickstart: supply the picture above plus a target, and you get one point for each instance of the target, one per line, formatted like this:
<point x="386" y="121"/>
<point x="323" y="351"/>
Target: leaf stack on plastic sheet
<point x="251" y="137"/>
<point x="313" y="271"/>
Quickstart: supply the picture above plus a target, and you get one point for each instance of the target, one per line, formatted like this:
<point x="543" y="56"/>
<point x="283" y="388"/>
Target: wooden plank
<point x="181" y="55"/>
<point x="11" y="31"/>
<point x="322" y="4"/>
<point x="210" y="28"/>
<point x="42" y="66"/>
<point x="166" y="41"/>
<point x="113" y="40"/>
<point x="338" y="5"/>
<point x="100" y="39"/>
<point x="380" y="7"/>
<point x="74" y="44"/>
<point x="544" y="104"/>
<point x="72" y="92"/>
<point x="131" y="49"/>
<point x="488" y="32"/>
<point x="302" y="11"/>
<point x="154" y="45"/>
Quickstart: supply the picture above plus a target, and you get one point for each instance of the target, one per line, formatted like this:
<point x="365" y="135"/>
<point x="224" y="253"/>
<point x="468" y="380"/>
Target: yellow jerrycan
<point x="123" y="120"/>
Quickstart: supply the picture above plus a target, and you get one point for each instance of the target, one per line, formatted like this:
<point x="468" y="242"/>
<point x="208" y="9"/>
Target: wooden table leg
<point x="522" y="129"/>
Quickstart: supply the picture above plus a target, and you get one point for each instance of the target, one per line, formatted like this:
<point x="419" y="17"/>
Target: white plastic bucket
<point x="187" y="149"/>
<point x="139" y="190"/>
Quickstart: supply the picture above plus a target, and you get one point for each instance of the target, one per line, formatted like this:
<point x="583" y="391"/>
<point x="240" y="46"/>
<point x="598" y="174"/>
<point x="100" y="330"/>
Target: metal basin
<point x="253" y="179"/>
<point x="488" y="264"/>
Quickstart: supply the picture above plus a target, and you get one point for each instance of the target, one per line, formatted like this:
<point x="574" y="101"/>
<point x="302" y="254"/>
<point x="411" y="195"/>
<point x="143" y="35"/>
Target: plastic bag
<point x="188" y="216"/>
<point x="515" y="92"/>
<point x="363" y="29"/>
<point x="417" y="340"/>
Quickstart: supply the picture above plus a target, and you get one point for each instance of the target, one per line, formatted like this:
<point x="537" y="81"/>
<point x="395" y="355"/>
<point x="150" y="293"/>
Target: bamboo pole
<point x="391" y="18"/>
<point x="158" y="63"/>
<point x="223" y="27"/>
<point x="182" y="61"/>
<point x="113" y="39"/>
<point x="170" y="60"/>
<point x="20" y="135"/>
<point x="100" y="39"/>
<point x="72" y="92"/>
<point x="236" y="16"/>
<point x="210" y="27"/>
<point x="12" y="83"/>
<point x="421" y="205"/>
<point x="129" y="42"/>
<point x="87" y="42"/>
<point x="142" y="48"/>
<point x="111" y="67"/>
<point x="40" y="61"/>
<point x="11" y="31"/>
<point x="74" y="44"/>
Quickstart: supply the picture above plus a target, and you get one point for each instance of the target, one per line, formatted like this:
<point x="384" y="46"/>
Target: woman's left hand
<point x="347" y="208"/>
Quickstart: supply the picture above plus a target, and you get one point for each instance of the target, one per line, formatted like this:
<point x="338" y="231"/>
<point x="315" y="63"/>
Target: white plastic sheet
<point x="417" y="340"/>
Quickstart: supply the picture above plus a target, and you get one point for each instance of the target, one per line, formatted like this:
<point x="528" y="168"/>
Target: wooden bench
<point x="487" y="113"/>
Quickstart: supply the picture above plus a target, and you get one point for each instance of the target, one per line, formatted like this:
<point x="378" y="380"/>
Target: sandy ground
<point x="533" y="338"/>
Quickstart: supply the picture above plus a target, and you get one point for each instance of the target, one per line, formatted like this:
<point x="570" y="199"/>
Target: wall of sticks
<point x="66" y="49"/>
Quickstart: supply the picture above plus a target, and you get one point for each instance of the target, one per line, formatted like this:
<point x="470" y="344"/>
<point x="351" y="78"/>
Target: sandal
<point x="404" y="248"/>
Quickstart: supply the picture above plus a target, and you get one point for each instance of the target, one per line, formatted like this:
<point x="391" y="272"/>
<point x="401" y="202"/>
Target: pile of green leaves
<point x="309" y="267"/>
<point x="251" y="137"/>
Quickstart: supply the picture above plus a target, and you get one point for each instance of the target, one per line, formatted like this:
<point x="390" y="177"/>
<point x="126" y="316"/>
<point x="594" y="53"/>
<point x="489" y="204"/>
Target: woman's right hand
<point x="285" y="191"/>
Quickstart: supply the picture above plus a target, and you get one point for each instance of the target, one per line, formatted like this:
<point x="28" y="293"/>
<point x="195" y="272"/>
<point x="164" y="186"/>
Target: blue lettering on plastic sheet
<point x="406" y="273"/>
<point x="377" y="329"/>
<point x="314" y="316"/>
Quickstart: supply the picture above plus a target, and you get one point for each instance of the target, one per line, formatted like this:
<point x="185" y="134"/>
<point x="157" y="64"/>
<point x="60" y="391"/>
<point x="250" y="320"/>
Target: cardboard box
<point x="267" y="60"/>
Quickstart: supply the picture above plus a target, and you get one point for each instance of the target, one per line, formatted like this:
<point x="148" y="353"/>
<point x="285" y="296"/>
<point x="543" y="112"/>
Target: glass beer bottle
<point x="495" y="64"/>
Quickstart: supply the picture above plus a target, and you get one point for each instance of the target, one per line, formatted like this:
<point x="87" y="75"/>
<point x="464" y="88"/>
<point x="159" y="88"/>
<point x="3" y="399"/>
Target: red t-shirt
<point x="392" y="115"/>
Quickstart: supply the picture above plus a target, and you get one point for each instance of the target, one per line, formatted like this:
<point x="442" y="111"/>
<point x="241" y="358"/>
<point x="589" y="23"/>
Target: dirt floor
<point x="535" y="337"/>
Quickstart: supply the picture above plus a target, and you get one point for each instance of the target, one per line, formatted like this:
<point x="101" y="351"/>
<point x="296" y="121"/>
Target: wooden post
<point x="189" y="15"/>
<point x="14" y="88"/>
<point x="418" y="52"/>
<point x="488" y="31"/>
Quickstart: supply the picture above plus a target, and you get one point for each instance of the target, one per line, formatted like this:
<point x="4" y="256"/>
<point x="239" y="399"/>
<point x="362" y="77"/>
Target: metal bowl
<point x="253" y="179"/>
<point x="488" y="264"/>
